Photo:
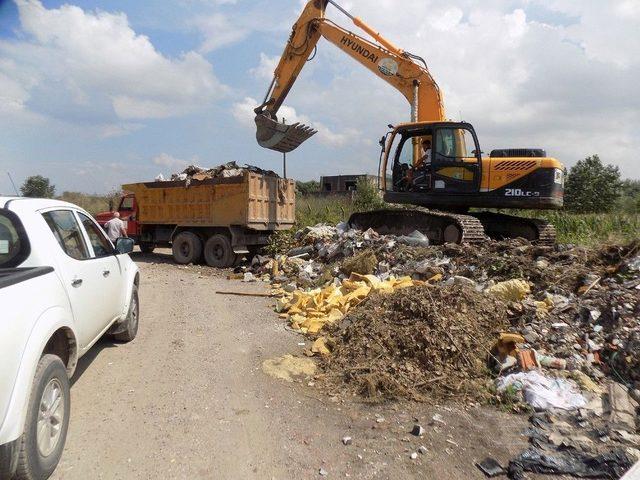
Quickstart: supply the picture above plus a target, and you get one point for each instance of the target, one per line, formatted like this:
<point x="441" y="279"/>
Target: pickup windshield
<point x="14" y="244"/>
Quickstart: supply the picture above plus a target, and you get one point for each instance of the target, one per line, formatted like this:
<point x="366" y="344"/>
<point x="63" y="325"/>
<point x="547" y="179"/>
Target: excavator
<point x="430" y="163"/>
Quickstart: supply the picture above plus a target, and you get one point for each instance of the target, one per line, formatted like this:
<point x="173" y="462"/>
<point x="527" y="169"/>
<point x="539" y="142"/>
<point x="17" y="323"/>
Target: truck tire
<point x="47" y="422"/>
<point x="131" y="329"/>
<point x="187" y="248"/>
<point x="147" y="247"/>
<point x="218" y="252"/>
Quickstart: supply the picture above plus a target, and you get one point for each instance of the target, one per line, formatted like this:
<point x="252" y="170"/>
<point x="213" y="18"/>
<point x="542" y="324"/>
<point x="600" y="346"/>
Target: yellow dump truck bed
<point x="255" y="201"/>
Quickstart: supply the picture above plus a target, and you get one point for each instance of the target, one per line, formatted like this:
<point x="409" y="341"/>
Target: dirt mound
<point x="417" y="341"/>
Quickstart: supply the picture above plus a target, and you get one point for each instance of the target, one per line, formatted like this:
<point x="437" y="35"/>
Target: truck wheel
<point x="218" y="252"/>
<point x="147" y="247"/>
<point x="132" y="319"/>
<point x="45" y="428"/>
<point x="187" y="248"/>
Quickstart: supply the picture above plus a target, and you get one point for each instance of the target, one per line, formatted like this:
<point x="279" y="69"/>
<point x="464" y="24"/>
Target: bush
<point x="305" y="188"/>
<point x="367" y="196"/>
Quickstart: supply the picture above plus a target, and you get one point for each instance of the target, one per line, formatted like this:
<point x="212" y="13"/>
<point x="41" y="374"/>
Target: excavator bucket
<point x="279" y="136"/>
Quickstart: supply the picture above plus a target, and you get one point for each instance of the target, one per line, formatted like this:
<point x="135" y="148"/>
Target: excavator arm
<point x="397" y="67"/>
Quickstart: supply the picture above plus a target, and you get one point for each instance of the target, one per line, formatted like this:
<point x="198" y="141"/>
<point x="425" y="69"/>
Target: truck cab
<point x="128" y="208"/>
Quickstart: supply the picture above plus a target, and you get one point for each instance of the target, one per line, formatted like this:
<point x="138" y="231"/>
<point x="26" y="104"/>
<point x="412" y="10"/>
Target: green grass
<point x="589" y="228"/>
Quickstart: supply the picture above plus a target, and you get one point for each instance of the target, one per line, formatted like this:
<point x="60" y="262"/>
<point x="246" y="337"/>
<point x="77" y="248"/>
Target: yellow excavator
<point x="432" y="163"/>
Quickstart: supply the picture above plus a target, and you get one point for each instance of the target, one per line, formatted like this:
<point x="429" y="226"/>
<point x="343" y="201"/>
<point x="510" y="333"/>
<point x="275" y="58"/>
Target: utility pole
<point x="284" y="159"/>
<point x="14" y="185"/>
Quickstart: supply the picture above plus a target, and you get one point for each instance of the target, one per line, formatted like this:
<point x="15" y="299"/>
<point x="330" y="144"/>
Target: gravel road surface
<point x="188" y="399"/>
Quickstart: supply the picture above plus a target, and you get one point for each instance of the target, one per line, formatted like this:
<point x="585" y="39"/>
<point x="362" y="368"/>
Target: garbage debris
<point x="543" y="392"/>
<point x="227" y="170"/>
<point x="490" y="467"/>
<point x="610" y="465"/>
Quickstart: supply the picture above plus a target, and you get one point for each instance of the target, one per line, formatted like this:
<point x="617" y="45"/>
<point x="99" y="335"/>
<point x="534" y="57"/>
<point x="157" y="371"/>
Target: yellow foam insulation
<point x="288" y="367"/>
<point x="511" y="290"/>
<point x="309" y="311"/>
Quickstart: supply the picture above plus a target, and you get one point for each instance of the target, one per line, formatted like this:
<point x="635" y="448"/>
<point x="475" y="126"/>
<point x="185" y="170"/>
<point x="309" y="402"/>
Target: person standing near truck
<point x="115" y="227"/>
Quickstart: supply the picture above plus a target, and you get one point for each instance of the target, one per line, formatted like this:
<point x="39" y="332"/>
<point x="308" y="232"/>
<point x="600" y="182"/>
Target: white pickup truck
<point x="63" y="285"/>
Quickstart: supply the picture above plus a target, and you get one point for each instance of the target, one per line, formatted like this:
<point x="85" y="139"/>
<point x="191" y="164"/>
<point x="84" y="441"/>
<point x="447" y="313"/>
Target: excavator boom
<point x="395" y="66"/>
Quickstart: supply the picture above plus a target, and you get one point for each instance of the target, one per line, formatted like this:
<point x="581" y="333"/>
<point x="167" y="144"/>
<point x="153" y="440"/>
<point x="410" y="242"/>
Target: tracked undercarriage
<point x="446" y="227"/>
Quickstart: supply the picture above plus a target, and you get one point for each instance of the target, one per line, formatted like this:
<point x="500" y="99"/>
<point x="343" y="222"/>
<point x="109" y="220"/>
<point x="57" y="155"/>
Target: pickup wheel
<point x="218" y="252"/>
<point x="47" y="422"/>
<point x="147" y="247"/>
<point x="132" y="319"/>
<point x="187" y="248"/>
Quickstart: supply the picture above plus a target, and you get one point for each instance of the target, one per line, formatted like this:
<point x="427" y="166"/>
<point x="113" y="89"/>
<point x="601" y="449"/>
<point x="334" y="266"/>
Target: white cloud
<point x="266" y="67"/>
<point x="244" y="114"/>
<point x="169" y="161"/>
<point x="91" y="66"/>
<point x="219" y="31"/>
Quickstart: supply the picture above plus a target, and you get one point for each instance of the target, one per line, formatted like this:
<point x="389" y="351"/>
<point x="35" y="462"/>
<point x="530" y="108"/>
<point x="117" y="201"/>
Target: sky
<point x="97" y="94"/>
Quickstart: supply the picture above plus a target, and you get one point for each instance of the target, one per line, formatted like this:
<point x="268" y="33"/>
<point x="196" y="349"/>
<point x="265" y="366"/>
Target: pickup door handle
<point x="106" y="273"/>
<point x="76" y="282"/>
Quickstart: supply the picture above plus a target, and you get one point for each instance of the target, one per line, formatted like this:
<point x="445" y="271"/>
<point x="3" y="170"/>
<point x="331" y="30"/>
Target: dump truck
<point x="215" y="219"/>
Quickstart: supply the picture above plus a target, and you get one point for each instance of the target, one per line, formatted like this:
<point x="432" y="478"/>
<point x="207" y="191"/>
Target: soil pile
<point x="417" y="341"/>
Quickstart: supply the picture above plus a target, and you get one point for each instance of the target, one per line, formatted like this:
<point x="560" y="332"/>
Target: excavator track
<point x="440" y="227"/>
<point x="446" y="227"/>
<point x="500" y="226"/>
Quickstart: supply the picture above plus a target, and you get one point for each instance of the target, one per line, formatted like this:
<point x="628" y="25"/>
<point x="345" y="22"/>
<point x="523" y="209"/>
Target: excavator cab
<point x="434" y="158"/>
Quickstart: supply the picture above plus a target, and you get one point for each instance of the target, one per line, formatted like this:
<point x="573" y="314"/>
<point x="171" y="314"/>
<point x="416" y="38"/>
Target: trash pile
<point x="553" y="330"/>
<point x="227" y="170"/>
<point x="571" y="308"/>
<point x="417" y="341"/>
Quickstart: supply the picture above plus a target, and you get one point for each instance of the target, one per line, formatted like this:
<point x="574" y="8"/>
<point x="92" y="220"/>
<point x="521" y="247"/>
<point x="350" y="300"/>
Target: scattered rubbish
<point x="414" y="239"/>
<point x="437" y="419"/>
<point x="245" y="294"/>
<point x="422" y="450"/>
<point x="322" y="472"/>
<point x="543" y="392"/>
<point x="249" y="277"/>
<point x="413" y="455"/>
<point x="417" y="430"/>
<point x="347" y="441"/>
<point x="490" y="467"/>
<point x="288" y="367"/>
<point x="621" y="408"/>
<point x="610" y="465"/>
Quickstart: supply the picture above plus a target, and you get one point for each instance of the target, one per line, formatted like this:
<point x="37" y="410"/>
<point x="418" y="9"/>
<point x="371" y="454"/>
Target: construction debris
<point x="227" y="170"/>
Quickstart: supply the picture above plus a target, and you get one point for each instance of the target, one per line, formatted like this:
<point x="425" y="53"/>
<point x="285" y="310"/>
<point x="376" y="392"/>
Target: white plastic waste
<point x="543" y="393"/>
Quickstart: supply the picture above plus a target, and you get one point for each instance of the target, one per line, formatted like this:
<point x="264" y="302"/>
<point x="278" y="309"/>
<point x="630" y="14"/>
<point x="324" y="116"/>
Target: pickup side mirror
<point x="124" y="245"/>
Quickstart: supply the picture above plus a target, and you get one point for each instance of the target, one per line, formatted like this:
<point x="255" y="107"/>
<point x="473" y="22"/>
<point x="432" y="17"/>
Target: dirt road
<point x="188" y="399"/>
